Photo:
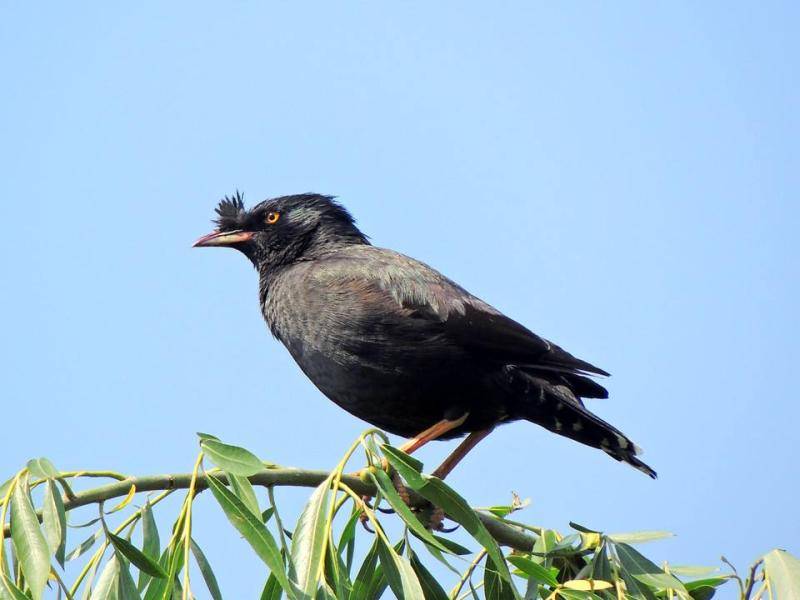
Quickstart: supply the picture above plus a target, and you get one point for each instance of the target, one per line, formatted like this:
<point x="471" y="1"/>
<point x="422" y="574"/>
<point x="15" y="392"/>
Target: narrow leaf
<point x="639" y="537"/>
<point x="782" y="570"/>
<point x="42" y="468"/>
<point x="54" y="519"/>
<point x="84" y="546"/>
<point x="136" y="556"/>
<point x="706" y="582"/>
<point x="29" y="543"/>
<point x="9" y="591"/>
<point x="587" y="585"/>
<point x="386" y="487"/>
<point x="495" y="587"/>
<point x="253" y="530"/>
<point x="399" y="573"/>
<point x="243" y="489"/>
<point x="430" y="587"/>
<point x="233" y="459"/>
<point x="310" y="538"/>
<point x="441" y="495"/>
<point x="151" y="544"/>
<point x="126" y="588"/>
<point x="601" y="566"/>
<point x="534" y="570"/>
<point x="272" y="589"/>
<point x="207" y="572"/>
<point x="108" y="583"/>
<point x="646" y="571"/>
<point x="369" y="583"/>
<point x="125" y="501"/>
<point x="691" y="570"/>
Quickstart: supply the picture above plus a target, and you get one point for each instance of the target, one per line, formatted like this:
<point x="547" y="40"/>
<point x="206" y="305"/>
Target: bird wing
<point x="404" y="287"/>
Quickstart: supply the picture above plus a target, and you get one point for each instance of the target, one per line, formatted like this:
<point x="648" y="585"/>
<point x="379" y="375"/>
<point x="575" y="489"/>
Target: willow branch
<point x="505" y="535"/>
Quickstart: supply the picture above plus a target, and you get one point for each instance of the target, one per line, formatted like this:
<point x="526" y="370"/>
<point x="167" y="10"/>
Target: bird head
<point x="283" y="230"/>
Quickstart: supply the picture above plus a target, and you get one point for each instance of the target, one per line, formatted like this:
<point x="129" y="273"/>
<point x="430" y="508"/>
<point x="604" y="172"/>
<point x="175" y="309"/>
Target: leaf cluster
<point x="316" y="558"/>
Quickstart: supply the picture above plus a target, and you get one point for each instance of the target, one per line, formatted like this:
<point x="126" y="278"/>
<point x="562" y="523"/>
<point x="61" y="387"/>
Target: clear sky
<point x="622" y="178"/>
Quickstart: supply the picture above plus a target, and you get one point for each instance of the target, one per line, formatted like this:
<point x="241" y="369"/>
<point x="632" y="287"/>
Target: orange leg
<point x="432" y="433"/>
<point x="459" y="453"/>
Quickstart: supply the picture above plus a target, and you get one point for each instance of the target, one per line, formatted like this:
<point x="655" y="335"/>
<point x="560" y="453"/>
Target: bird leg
<point x="459" y="453"/>
<point x="417" y="442"/>
<point x="432" y="433"/>
<point x="434" y="516"/>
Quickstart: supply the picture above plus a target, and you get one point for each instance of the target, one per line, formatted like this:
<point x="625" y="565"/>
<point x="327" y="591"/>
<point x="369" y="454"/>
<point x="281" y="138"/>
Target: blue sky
<point x="622" y="178"/>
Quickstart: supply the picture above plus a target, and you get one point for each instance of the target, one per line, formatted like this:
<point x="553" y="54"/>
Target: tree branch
<point x="505" y="534"/>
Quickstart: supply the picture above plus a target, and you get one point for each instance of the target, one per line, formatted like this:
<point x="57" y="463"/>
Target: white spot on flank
<point x="559" y="406"/>
<point x="558" y="425"/>
<point x="605" y="443"/>
<point x="623" y="443"/>
<point x="577" y="426"/>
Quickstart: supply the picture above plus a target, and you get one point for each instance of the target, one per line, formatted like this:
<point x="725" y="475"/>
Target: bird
<point x="399" y="345"/>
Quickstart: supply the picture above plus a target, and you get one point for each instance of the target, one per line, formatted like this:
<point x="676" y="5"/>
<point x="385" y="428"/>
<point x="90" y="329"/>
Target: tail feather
<point x="556" y="408"/>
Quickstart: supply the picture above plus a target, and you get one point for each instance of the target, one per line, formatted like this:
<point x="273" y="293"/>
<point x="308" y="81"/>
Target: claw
<point x="448" y="529"/>
<point x="364" y="520"/>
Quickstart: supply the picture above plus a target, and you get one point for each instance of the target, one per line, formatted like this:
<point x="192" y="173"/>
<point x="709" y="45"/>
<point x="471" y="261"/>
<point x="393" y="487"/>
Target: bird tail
<point x="556" y="408"/>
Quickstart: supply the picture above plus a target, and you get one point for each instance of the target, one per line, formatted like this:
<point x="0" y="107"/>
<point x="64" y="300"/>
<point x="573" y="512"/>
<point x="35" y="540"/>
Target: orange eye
<point x="273" y="217"/>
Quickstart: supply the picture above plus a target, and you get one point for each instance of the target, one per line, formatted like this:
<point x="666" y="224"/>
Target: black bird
<point x="399" y="345"/>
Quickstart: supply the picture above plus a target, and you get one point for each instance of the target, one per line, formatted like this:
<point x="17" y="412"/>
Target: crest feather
<point x="229" y="211"/>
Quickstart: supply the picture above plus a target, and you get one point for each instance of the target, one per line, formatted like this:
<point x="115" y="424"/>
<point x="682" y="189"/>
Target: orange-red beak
<point x="223" y="238"/>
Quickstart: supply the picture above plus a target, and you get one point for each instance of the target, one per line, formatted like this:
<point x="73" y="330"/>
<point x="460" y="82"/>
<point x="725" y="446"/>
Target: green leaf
<point x="151" y="544"/>
<point x="441" y="495"/>
<point x="430" y="587"/>
<point x="206" y="436"/>
<point x="243" y="489"/>
<point x="705" y="592"/>
<point x="336" y="574"/>
<point x="347" y="539"/>
<point x="310" y="538"/>
<point x="207" y="572"/>
<point x="634" y="588"/>
<point x="646" y="571"/>
<point x="782" y="570"/>
<point x="171" y="561"/>
<point x="126" y="588"/>
<point x="708" y="581"/>
<point x="691" y="570"/>
<point x="136" y="556"/>
<point x="233" y="459"/>
<point x="639" y="537"/>
<point x="704" y="589"/>
<point x="494" y="586"/>
<point x="369" y="583"/>
<point x="399" y="573"/>
<point x="582" y="529"/>
<point x="108" y="583"/>
<point x="84" y="546"/>
<point x="272" y="589"/>
<point x="601" y="565"/>
<point x="5" y="487"/>
<point x="386" y="487"/>
<point x="253" y="530"/>
<point x="29" y="543"/>
<point x="54" y="519"/>
<point x="42" y="468"/>
<point x="534" y="570"/>
<point x="453" y="547"/>
<point x="9" y="591"/>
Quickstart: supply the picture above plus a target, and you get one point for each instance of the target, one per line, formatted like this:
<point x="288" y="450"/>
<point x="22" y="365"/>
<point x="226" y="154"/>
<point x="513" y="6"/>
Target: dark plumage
<point x="396" y="343"/>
